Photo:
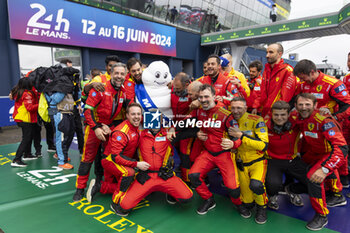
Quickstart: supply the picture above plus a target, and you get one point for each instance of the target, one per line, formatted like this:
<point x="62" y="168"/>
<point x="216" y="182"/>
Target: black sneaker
<point x="294" y="198"/>
<point x="344" y="181"/>
<point x="94" y="188"/>
<point x="119" y="210"/>
<point x="244" y="211"/>
<point x="18" y="163"/>
<point x="317" y="223"/>
<point x="29" y="157"/>
<point x="273" y="203"/>
<point x="38" y="154"/>
<point x="335" y="199"/>
<point x="170" y="199"/>
<point x="206" y="206"/>
<point x="78" y="195"/>
<point x="260" y="216"/>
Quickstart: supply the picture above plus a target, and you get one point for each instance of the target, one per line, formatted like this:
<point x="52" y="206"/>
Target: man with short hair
<point x="134" y="76"/>
<point x="346" y="130"/>
<point x="180" y="105"/>
<point x="236" y="77"/>
<point x="101" y="110"/>
<point x="282" y="154"/>
<point x="251" y="164"/>
<point x="278" y="82"/>
<point x="120" y="157"/>
<point x="224" y="89"/>
<point x="324" y="153"/>
<point x="213" y="155"/>
<point x="254" y="84"/>
<point x="155" y="150"/>
<point x="332" y="98"/>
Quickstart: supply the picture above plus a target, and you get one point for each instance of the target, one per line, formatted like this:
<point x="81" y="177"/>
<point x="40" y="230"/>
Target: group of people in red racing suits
<point x="284" y="130"/>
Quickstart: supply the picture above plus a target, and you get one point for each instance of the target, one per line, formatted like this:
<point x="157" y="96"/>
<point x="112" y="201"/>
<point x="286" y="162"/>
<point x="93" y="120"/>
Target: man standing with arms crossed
<point x="279" y="82"/>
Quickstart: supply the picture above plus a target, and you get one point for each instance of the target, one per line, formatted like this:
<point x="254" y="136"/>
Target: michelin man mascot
<point x="153" y="94"/>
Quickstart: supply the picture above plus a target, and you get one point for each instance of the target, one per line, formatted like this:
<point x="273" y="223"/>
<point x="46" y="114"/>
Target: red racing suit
<point x="284" y="146"/>
<point x="213" y="155"/>
<point x="100" y="107"/>
<point x="119" y="161"/>
<point x="346" y="122"/>
<point x="333" y="94"/>
<point x="282" y="157"/>
<point x="181" y="107"/>
<point x="278" y="83"/>
<point x="326" y="147"/>
<point x="156" y="150"/>
<point x="129" y="85"/>
<point x="223" y="87"/>
<point x="253" y="100"/>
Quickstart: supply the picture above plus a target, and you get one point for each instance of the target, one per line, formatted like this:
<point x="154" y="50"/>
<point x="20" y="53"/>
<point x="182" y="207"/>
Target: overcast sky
<point x="335" y="48"/>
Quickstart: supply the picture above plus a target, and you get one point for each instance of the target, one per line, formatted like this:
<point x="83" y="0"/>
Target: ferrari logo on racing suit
<point x="278" y="78"/>
<point x="319" y="88"/>
<point x="311" y="126"/>
<point x="215" y="116"/>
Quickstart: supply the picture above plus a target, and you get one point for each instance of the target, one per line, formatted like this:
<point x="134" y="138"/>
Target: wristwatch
<point x="325" y="170"/>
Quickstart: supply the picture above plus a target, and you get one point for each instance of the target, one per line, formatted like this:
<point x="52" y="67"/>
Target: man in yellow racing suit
<point x="252" y="166"/>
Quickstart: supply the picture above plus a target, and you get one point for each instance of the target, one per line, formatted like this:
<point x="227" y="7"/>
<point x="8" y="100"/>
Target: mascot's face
<point x="157" y="74"/>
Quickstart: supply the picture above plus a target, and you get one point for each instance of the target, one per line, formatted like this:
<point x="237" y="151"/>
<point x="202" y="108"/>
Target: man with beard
<point x="333" y="99"/>
<point x="99" y="81"/>
<point x="156" y="151"/>
<point x="254" y="84"/>
<point x="346" y="129"/>
<point x="134" y="76"/>
<point x="180" y="104"/>
<point x="278" y="82"/>
<point x="324" y="153"/>
<point x="119" y="157"/>
<point x="214" y="154"/>
<point x="101" y="110"/>
<point x="251" y="164"/>
<point x="224" y="89"/>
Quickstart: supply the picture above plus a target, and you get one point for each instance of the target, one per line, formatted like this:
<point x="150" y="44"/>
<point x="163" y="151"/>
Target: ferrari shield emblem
<point x="319" y="88"/>
<point x="278" y="78"/>
<point x="215" y="116"/>
<point x="311" y="126"/>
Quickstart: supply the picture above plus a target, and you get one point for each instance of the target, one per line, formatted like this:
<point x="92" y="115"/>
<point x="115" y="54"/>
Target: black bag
<point x="165" y="173"/>
<point x="142" y="177"/>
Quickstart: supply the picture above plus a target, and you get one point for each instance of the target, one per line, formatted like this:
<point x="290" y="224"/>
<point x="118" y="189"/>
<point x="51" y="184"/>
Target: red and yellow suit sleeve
<point x="339" y="150"/>
<point x="340" y="94"/>
<point x="243" y="80"/>
<point x="129" y="86"/>
<point x="92" y="102"/>
<point x="118" y="143"/>
<point x="29" y="102"/>
<point x="289" y="85"/>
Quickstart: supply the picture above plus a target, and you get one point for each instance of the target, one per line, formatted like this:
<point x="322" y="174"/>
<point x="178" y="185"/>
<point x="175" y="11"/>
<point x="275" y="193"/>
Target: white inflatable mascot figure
<point x="154" y="93"/>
